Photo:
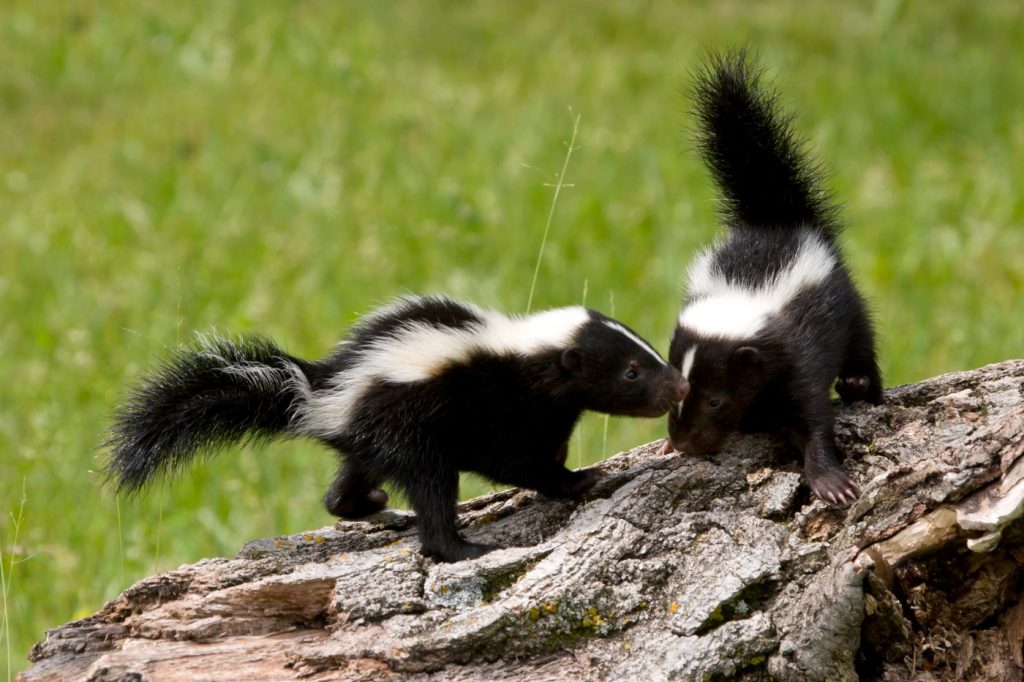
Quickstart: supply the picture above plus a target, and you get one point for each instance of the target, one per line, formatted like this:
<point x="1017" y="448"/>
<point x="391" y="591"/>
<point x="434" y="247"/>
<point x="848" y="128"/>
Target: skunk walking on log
<point x="771" y="316"/>
<point x="421" y="389"/>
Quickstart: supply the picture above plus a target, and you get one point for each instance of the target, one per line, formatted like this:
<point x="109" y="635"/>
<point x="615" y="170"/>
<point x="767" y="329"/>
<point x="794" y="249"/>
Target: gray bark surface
<point x="672" y="567"/>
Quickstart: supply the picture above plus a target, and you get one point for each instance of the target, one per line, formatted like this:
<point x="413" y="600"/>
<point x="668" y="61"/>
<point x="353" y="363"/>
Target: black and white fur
<point x="771" y="315"/>
<point x="420" y="390"/>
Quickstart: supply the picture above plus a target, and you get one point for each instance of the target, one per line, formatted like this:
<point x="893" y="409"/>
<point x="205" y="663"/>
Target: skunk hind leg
<point x="354" y="493"/>
<point x="854" y="387"/>
<point x="859" y="377"/>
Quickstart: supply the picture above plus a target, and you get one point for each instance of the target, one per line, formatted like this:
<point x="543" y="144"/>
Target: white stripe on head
<point x="685" y="368"/>
<point x="688" y="362"/>
<point x="418" y="351"/>
<point x="725" y="309"/>
<point x="636" y="339"/>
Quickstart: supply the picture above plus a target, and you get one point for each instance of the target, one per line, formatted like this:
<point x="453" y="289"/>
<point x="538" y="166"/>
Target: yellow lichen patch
<point x="592" y="619"/>
<point x="673" y="607"/>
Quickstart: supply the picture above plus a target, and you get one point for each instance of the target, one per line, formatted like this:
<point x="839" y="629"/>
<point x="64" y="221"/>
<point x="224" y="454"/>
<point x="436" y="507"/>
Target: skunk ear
<point x="571" y="359"/>
<point x="748" y="355"/>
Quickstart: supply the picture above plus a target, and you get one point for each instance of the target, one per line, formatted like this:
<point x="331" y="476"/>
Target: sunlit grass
<point x="284" y="167"/>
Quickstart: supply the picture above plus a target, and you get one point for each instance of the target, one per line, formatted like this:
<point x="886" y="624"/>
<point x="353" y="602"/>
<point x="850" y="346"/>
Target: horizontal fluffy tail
<point x="747" y="141"/>
<point x="220" y="392"/>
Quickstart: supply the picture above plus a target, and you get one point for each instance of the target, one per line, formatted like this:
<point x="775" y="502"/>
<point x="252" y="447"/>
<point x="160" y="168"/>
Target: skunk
<point x="420" y="390"/>
<point x="771" y="315"/>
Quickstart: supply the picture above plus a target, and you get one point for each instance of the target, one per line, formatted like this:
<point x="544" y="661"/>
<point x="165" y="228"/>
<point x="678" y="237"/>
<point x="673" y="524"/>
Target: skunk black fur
<point x="771" y="316"/>
<point x="421" y="389"/>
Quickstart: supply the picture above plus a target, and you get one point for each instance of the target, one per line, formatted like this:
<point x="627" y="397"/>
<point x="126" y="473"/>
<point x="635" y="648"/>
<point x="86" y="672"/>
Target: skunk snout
<point x="660" y="394"/>
<point x="675" y="388"/>
<point x="692" y="442"/>
<point x="684" y="438"/>
<point x="679" y="445"/>
<point x="680" y="390"/>
<point x="684" y="445"/>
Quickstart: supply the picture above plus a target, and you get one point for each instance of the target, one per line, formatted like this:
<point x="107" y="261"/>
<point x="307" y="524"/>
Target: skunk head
<point x="725" y="377"/>
<point x="730" y="338"/>
<point x="615" y="371"/>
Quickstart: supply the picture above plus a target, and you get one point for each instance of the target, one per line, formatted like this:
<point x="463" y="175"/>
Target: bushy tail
<point x="748" y="143"/>
<point x="219" y="392"/>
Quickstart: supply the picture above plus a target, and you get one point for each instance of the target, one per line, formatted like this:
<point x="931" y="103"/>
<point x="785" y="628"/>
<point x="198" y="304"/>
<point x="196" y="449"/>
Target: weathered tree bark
<point x="672" y="567"/>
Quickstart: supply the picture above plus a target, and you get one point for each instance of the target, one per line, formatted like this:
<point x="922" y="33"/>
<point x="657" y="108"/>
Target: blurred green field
<point x="284" y="167"/>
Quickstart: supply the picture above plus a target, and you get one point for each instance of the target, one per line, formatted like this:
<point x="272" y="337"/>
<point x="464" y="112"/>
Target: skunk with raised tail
<point x="771" y="316"/>
<point x="420" y="390"/>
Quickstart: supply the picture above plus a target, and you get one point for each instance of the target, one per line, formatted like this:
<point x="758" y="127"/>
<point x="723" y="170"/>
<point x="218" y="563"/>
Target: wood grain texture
<point x="673" y="567"/>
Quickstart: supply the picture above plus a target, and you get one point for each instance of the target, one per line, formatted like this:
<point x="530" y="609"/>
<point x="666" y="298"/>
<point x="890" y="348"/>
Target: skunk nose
<point x="680" y="390"/>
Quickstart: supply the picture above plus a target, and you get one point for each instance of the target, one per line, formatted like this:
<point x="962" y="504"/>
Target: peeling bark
<point x="672" y="567"/>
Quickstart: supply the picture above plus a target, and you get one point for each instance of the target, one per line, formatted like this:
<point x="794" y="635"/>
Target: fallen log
<point x="672" y="567"/>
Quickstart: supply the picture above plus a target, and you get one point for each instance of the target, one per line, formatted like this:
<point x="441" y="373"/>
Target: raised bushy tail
<point x="747" y="141"/>
<point x="220" y="392"/>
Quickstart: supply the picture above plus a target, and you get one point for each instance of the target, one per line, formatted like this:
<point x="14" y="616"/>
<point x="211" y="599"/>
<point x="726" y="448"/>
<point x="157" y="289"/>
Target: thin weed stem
<point x="579" y="429"/>
<point x="159" y="527"/>
<point x="7" y="575"/>
<point x="160" y="515"/>
<point x="120" y="537"/>
<point x="559" y="184"/>
<point x="607" y="418"/>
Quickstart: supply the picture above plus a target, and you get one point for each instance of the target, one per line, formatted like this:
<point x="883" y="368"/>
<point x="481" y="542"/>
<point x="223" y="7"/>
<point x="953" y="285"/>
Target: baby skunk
<point x="771" y="316"/>
<point x="421" y="389"/>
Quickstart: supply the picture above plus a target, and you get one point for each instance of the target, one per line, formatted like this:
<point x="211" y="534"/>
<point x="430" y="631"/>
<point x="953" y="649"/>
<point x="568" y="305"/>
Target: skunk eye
<point x="631" y="374"/>
<point x="714" y="403"/>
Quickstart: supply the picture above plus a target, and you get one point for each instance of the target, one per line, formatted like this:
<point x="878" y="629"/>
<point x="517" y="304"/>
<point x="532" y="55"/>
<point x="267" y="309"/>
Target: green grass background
<point x="284" y="167"/>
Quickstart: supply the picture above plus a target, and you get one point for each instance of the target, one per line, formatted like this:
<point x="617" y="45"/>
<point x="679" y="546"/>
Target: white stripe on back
<point x="636" y="339"/>
<point x="418" y="351"/>
<point x="726" y="309"/>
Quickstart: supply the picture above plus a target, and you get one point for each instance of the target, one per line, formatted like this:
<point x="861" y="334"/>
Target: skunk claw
<point x="833" y="487"/>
